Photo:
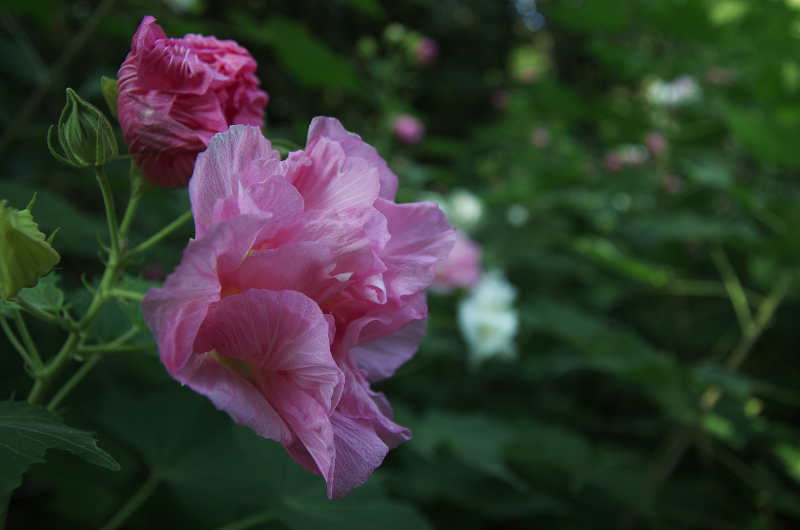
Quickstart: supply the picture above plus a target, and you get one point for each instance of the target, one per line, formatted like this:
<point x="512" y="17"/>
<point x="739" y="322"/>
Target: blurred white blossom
<point x="488" y="320"/>
<point x="463" y="208"/>
<point x="682" y="90"/>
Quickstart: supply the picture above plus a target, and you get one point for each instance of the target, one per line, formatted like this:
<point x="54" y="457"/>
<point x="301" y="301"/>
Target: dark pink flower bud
<point x="427" y="51"/>
<point x="408" y="129"/>
<point x="176" y="93"/>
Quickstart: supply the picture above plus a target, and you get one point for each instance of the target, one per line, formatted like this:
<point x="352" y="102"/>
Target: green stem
<point x="54" y="73"/>
<point x="712" y="395"/>
<point x="128" y="217"/>
<point x="249" y="521"/>
<point x="17" y="345"/>
<point x="136" y="500"/>
<point x="72" y="381"/>
<point x="28" y="340"/>
<point x="161" y="234"/>
<point x="126" y="295"/>
<point x="53" y="369"/>
<point x="124" y="348"/>
<point x="709" y="288"/>
<point x="734" y="288"/>
<point x="43" y="315"/>
<point x="111" y="212"/>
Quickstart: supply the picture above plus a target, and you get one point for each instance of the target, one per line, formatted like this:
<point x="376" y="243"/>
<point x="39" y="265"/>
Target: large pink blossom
<point x="176" y="93"/>
<point x="305" y="282"/>
<point x="462" y="268"/>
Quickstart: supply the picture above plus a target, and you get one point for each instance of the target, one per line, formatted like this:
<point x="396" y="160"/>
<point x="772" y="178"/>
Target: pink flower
<point x="175" y="94"/>
<point x="408" y="129"/>
<point x="427" y="51"/>
<point x="656" y="143"/>
<point x="462" y="268"/>
<point x="305" y="283"/>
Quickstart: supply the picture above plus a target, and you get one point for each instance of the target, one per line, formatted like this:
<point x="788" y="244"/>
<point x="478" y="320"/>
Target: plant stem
<point x="126" y="295"/>
<point x="44" y="315"/>
<point x="708" y="288"/>
<point x="28" y="340"/>
<point x="111" y="212"/>
<point x="54" y="73"/>
<point x="711" y="396"/>
<point x="134" y="502"/>
<point x="124" y="348"/>
<point x="734" y="288"/>
<point x="74" y="380"/>
<point x="128" y="217"/>
<point x="161" y="234"/>
<point x="17" y="345"/>
<point x="249" y="521"/>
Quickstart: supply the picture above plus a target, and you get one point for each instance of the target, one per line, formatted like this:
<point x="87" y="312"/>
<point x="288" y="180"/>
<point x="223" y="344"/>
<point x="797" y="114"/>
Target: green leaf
<point x="45" y="295"/>
<point x="221" y="472"/>
<point x="27" y="431"/>
<point x="370" y="7"/>
<point x="475" y="440"/>
<point x="307" y="58"/>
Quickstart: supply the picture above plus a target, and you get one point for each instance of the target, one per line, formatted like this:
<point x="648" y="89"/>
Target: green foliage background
<point x="646" y="393"/>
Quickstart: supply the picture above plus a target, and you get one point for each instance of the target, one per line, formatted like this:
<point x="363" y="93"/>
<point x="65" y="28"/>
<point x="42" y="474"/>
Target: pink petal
<point x="382" y="357"/>
<point x="353" y="146"/>
<point x="421" y="236"/>
<point x="304" y="267"/>
<point x="228" y="153"/>
<point x="333" y="181"/>
<point x="276" y="331"/>
<point x="175" y="312"/>
<point x="236" y="395"/>
<point x="351" y="248"/>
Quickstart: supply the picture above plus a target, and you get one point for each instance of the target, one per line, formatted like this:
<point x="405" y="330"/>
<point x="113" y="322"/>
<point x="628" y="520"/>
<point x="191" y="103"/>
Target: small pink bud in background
<point x="500" y="98"/>
<point x="427" y="52"/>
<point x="672" y="184"/>
<point x="717" y="75"/>
<point x="612" y="162"/>
<point x="462" y="268"/>
<point x="656" y="143"/>
<point x="541" y="138"/>
<point x="408" y="129"/>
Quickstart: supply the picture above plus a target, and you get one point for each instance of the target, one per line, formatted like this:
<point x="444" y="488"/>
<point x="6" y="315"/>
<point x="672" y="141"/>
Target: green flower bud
<point x="84" y="133"/>
<point x="26" y="253"/>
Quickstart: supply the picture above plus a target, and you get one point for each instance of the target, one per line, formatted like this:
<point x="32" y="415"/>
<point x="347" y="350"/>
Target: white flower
<point x="682" y="90"/>
<point x="488" y="321"/>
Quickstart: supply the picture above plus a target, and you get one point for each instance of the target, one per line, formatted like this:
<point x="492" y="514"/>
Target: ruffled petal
<point x="353" y="146"/>
<point x="421" y="236"/>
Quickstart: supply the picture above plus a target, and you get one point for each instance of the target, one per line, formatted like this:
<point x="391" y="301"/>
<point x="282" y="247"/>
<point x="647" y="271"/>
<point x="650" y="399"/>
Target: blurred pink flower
<point x="175" y="94"/>
<point x="427" y="51"/>
<point x="500" y="98"/>
<point x="656" y="143"/>
<point x="304" y="283"/>
<point x="408" y="129"/>
<point x="462" y="268"/>
<point x="612" y="162"/>
<point x="716" y="75"/>
<point x="541" y="138"/>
